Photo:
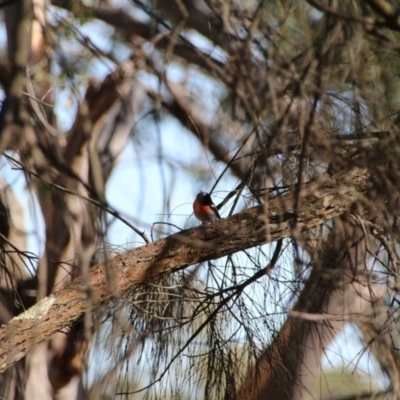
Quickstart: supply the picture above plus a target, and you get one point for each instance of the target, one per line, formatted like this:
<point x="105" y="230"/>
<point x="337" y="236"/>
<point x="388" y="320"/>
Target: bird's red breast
<point x="204" y="209"/>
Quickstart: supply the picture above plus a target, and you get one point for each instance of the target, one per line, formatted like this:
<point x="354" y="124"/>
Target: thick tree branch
<point x="245" y="230"/>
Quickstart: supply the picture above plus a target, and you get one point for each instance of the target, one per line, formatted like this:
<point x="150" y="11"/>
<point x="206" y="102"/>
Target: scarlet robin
<point x="204" y="209"/>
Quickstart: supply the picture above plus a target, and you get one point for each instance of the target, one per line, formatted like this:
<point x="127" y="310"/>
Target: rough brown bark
<point x="250" y="228"/>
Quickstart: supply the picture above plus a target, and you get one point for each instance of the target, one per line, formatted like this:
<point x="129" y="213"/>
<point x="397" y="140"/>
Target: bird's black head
<point x="204" y="198"/>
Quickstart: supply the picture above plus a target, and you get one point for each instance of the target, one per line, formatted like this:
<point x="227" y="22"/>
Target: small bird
<point x="204" y="209"/>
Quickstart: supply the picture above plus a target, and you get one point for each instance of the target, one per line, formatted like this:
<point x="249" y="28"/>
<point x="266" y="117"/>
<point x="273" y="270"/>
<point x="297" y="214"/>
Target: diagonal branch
<point x="239" y="232"/>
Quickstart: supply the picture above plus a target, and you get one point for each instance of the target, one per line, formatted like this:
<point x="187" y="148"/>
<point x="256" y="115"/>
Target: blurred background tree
<point x="291" y="107"/>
